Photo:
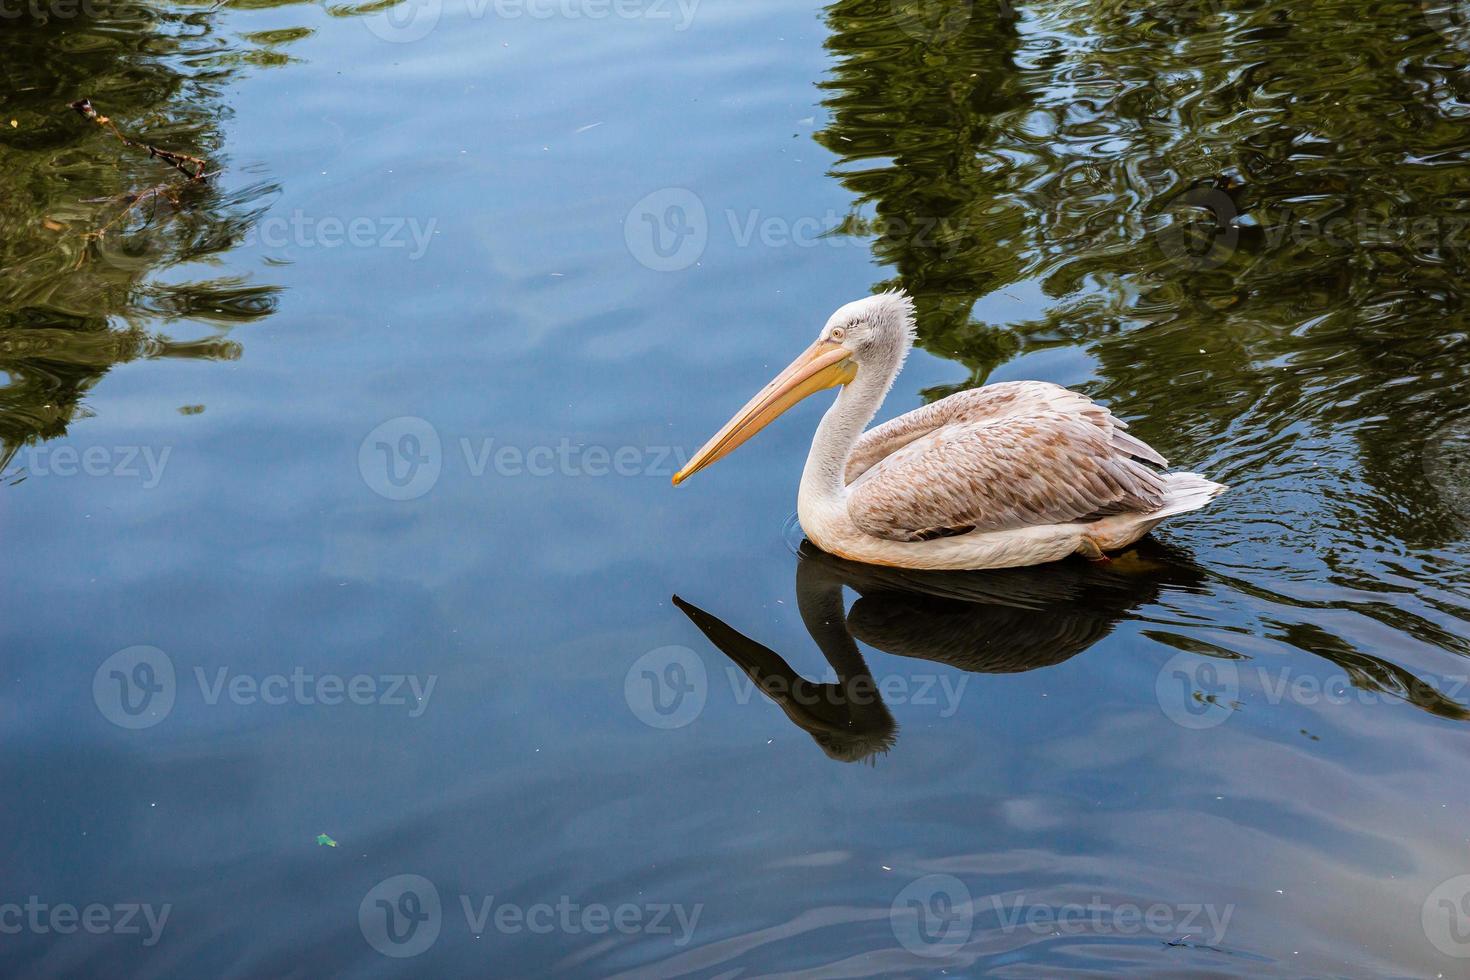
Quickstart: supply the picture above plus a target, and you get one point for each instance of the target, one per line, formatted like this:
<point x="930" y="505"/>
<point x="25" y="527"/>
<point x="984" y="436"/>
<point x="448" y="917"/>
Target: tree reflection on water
<point x="88" y="224"/>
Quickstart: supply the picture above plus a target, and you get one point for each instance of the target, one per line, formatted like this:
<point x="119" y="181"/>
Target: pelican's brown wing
<point x="1007" y="399"/>
<point x="1013" y="455"/>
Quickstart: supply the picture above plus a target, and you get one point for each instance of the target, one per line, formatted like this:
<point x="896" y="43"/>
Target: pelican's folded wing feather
<point x="1008" y="456"/>
<point x="1007" y="399"/>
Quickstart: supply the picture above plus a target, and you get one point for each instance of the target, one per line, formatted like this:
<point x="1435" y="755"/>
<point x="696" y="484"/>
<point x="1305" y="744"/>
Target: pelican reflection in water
<point x="993" y="622"/>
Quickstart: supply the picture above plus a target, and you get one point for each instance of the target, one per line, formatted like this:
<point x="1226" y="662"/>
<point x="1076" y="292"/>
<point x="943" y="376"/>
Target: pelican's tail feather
<point x="1185" y="492"/>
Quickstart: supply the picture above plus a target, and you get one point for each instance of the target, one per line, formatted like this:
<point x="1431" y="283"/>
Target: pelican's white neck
<point x="824" y="478"/>
<point x="880" y="331"/>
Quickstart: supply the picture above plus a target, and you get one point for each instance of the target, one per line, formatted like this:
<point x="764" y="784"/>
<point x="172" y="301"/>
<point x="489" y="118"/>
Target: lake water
<point x="336" y="490"/>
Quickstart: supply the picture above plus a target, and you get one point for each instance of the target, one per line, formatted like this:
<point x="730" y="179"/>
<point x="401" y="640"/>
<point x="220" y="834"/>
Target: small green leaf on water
<point x="324" y="841"/>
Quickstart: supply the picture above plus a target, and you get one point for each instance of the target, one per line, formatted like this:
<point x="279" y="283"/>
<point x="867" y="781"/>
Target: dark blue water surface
<point x="336" y="491"/>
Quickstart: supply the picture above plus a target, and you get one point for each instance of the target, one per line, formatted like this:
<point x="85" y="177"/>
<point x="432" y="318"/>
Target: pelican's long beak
<point x="823" y="365"/>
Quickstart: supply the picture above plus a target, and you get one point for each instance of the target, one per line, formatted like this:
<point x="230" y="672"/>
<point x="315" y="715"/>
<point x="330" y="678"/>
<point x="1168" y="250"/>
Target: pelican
<point x="1010" y="474"/>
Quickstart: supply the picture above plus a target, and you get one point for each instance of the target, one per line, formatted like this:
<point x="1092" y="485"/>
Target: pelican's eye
<point x="838" y="333"/>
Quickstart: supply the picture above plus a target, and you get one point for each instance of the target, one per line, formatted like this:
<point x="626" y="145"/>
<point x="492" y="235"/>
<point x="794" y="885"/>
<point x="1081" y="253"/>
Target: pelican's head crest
<point x="877" y="329"/>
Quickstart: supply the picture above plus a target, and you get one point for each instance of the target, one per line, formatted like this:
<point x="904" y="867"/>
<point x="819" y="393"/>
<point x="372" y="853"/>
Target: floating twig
<point x="179" y="161"/>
